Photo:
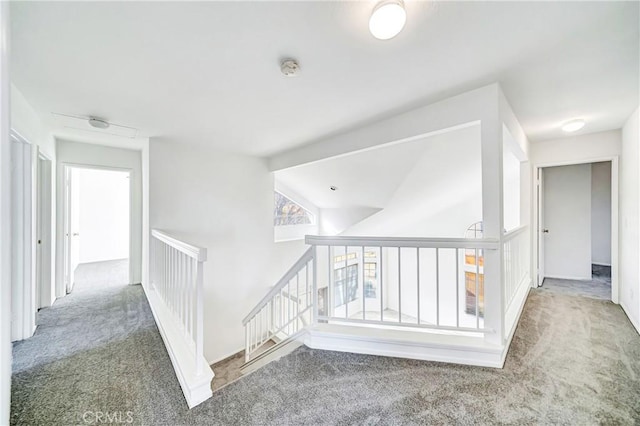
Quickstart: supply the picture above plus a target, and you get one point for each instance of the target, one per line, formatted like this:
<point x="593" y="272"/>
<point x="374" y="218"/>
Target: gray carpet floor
<point x="573" y="360"/>
<point x="599" y="287"/>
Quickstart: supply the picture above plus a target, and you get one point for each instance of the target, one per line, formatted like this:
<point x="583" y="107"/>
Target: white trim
<point x="568" y="277"/>
<point x="195" y="387"/>
<point x="223" y="357"/>
<point x="632" y="320"/>
<point x="67" y="166"/>
<point x="198" y="253"/>
<point x="512" y="333"/>
<point x="462" y="243"/>
<point x="412" y="345"/>
<point x="615" y="203"/>
<point x="600" y="264"/>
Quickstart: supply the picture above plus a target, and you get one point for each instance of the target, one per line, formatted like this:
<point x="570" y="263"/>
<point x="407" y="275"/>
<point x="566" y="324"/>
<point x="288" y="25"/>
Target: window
<point x="370" y="280"/>
<point x="473" y="273"/>
<point x="346" y="285"/>
<point x="288" y="212"/>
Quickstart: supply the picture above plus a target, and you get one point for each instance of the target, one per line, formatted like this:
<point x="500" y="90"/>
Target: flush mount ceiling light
<point x="573" y="125"/>
<point x="387" y="19"/>
<point x="98" y="123"/>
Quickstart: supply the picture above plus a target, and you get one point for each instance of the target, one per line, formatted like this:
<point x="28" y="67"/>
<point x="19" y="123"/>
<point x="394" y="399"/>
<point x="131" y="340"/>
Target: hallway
<point x="573" y="360"/>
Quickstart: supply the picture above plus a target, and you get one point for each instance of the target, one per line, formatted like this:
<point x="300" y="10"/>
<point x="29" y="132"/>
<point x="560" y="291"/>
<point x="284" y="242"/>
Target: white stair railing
<point x="418" y="283"/>
<point x="176" y="299"/>
<point x="285" y="310"/>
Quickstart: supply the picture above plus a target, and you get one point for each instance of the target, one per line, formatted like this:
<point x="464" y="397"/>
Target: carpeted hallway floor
<point x="574" y="360"/>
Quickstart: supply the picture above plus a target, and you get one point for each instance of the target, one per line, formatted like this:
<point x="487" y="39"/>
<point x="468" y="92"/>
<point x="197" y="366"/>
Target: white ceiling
<point x="208" y="72"/>
<point x="367" y="178"/>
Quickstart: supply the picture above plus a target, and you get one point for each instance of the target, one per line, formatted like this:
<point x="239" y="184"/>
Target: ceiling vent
<point x="93" y="124"/>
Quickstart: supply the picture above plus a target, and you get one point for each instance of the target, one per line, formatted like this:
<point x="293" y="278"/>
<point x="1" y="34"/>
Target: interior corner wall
<point x="601" y="213"/>
<point x="76" y="153"/>
<point x="223" y="202"/>
<point x="629" y="213"/>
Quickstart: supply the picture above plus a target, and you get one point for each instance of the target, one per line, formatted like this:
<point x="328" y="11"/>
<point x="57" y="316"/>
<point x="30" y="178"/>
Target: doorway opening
<point x="97" y="227"/>
<point x="577" y="228"/>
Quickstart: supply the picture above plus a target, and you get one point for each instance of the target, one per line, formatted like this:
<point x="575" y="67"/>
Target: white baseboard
<point x="196" y="388"/>
<point x="514" y="326"/>
<point x="223" y="357"/>
<point x="600" y="264"/>
<point x="557" y="277"/>
<point x="413" y="345"/>
<point x="635" y="322"/>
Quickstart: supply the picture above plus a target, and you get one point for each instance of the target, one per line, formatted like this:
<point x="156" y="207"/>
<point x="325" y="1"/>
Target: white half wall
<point x="567" y="216"/>
<point x="85" y="154"/>
<point x="601" y="213"/>
<point x="630" y="220"/>
<point x="223" y="202"/>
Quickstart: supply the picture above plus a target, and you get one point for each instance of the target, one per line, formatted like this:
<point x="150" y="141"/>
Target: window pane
<point x="286" y="212"/>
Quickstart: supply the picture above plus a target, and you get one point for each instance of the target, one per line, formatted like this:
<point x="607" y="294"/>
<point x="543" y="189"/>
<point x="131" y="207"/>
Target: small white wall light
<point x="387" y="19"/>
<point x="573" y="125"/>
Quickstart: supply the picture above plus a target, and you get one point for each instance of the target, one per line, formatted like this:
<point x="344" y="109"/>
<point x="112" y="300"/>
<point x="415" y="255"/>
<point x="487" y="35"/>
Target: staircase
<point x="420" y="298"/>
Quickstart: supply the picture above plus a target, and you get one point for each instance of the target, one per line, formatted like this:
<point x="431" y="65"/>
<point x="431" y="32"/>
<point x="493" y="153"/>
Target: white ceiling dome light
<point x="573" y="125"/>
<point x="387" y="19"/>
<point x="98" y="123"/>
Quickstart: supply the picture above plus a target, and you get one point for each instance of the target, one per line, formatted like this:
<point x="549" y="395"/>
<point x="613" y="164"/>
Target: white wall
<point x="575" y="149"/>
<point x="601" y="213"/>
<point x="511" y="180"/>
<point x="76" y="153"/>
<point x="629" y="220"/>
<point x="567" y="216"/>
<point x="440" y="197"/>
<point x="336" y="221"/>
<point x="26" y="122"/>
<point x="5" y="220"/>
<point x="223" y="202"/>
<point x="103" y="212"/>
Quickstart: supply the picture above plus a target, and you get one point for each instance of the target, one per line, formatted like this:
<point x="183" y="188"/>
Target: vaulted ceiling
<point x="208" y="72"/>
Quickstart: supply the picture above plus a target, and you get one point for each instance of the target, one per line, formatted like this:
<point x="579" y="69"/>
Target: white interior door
<point x="23" y="321"/>
<point x="566" y="222"/>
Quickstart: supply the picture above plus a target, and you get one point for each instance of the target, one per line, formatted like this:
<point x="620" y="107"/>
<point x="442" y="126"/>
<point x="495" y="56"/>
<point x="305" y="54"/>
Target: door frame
<point x="45" y="292"/>
<point x="66" y="210"/>
<point x="615" y="291"/>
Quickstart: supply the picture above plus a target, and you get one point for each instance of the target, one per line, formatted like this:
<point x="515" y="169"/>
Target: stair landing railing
<point x="285" y="310"/>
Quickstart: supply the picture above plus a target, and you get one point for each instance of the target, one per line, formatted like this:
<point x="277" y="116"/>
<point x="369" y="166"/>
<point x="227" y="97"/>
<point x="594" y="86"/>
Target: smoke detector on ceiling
<point x="290" y="67"/>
